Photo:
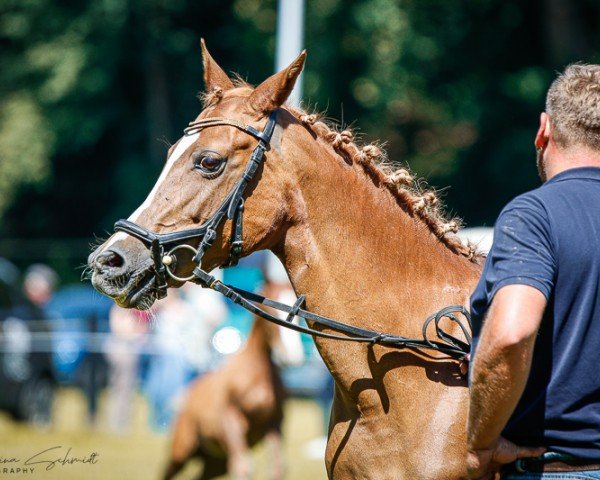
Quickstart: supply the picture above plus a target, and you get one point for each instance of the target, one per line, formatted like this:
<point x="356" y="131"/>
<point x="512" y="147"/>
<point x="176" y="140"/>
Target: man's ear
<point x="214" y="76"/>
<point x="543" y="134"/>
<point x="275" y="90"/>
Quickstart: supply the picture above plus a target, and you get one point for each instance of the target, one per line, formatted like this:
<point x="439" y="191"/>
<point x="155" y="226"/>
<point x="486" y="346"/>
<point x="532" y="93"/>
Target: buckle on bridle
<point x="235" y="252"/>
<point x="205" y="279"/>
<point x="236" y="247"/>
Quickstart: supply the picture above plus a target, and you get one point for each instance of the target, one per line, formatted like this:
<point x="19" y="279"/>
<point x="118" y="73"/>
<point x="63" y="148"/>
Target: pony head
<point x="201" y="170"/>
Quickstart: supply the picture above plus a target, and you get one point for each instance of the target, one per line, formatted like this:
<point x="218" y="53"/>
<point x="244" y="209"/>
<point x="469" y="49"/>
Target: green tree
<point x="93" y="91"/>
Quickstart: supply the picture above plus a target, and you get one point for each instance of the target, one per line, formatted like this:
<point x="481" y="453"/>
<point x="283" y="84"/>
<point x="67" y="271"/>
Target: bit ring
<point x="169" y="259"/>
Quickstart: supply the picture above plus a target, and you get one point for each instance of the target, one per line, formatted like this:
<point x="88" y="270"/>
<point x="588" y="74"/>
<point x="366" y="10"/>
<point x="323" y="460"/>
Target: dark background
<point x="92" y="91"/>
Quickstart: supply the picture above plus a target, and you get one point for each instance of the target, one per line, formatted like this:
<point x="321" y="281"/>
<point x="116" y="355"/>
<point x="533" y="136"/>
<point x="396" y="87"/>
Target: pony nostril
<point x="109" y="259"/>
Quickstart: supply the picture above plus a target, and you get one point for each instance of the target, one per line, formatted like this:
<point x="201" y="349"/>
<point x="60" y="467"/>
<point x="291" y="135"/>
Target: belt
<point x="553" y="462"/>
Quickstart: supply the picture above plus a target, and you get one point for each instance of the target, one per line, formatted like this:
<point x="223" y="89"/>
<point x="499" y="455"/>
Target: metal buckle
<point x="209" y="237"/>
<point x="236" y="247"/>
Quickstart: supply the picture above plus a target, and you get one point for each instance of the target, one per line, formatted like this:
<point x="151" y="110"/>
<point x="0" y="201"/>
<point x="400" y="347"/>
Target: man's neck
<point x="573" y="157"/>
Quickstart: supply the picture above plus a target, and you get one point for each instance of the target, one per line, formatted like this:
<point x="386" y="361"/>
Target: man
<point x="535" y="378"/>
<point x="39" y="284"/>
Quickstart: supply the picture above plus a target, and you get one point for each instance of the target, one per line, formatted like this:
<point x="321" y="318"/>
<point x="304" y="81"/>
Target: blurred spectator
<point x="209" y="311"/>
<point x="27" y="379"/>
<point x="301" y="356"/>
<point x="127" y="334"/>
<point x="39" y="284"/>
<point x="79" y="314"/>
<point x="279" y="288"/>
<point x="169" y="370"/>
<point x="12" y="293"/>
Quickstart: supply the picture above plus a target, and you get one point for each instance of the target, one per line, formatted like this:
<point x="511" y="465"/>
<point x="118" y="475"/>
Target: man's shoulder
<point x="548" y="199"/>
<point x="527" y="217"/>
<point x="533" y="201"/>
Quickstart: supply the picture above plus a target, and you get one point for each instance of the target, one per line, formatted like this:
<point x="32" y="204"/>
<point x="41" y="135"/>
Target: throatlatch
<point x="232" y="208"/>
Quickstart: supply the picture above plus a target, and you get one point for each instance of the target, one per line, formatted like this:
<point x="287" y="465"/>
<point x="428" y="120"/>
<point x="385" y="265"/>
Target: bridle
<point x="163" y="247"/>
<point x="232" y="208"/>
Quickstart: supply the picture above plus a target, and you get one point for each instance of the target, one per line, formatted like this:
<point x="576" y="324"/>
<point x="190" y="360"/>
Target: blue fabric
<point x="549" y="238"/>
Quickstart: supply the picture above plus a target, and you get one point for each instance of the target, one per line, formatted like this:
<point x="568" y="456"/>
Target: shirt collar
<point x="589" y="173"/>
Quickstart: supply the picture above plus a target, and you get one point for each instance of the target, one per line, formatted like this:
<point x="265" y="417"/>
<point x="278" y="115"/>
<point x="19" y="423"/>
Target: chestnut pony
<point x="232" y="408"/>
<point x="362" y="243"/>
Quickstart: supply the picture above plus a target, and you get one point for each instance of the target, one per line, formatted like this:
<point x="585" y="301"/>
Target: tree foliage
<point x="93" y="91"/>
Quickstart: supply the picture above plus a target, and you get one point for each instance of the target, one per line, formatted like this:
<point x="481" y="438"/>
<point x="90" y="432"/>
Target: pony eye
<point x="209" y="163"/>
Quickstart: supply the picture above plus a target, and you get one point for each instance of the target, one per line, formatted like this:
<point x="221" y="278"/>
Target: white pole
<point x="290" y="40"/>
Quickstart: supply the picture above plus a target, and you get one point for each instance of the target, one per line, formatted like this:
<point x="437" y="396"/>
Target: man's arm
<point x="499" y="374"/>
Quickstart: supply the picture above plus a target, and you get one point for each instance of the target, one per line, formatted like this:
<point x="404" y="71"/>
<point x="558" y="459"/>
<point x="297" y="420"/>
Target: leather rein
<point x="163" y="247"/>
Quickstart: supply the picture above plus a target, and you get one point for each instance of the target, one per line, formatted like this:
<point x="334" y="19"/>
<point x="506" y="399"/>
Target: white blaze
<point x="185" y="143"/>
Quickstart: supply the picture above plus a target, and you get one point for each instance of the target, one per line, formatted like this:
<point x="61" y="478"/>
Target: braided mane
<point x="419" y="202"/>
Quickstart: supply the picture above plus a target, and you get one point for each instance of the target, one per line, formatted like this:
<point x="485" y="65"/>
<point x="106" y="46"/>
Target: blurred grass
<point x="140" y="454"/>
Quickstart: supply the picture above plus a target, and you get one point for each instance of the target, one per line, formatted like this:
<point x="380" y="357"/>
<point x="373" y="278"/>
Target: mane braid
<point x="410" y="192"/>
<point x="418" y="202"/>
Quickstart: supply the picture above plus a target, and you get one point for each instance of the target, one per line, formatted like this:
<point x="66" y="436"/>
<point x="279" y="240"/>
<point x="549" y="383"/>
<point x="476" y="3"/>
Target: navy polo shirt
<point x="549" y="238"/>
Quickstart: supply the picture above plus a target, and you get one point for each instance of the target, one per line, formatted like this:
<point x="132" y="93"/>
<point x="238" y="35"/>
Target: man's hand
<point x="485" y="464"/>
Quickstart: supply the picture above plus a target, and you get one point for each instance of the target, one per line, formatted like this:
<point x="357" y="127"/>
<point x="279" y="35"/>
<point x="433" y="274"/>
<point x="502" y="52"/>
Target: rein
<point x="232" y="207"/>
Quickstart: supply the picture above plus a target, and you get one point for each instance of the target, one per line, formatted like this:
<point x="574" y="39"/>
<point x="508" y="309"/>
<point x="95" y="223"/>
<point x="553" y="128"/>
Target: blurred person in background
<point x="39" y="284"/>
<point x="79" y="318"/>
<point x="128" y="330"/>
<point x="209" y="311"/>
<point x="27" y="377"/>
<point x="169" y="369"/>
<point x="300" y="350"/>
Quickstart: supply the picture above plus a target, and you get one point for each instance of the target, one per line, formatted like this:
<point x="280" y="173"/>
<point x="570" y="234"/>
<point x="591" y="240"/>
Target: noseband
<point x="232" y="208"/>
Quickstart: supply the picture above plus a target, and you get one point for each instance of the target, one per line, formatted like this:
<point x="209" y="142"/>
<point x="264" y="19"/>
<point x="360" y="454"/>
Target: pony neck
<point x="350" y="241"/>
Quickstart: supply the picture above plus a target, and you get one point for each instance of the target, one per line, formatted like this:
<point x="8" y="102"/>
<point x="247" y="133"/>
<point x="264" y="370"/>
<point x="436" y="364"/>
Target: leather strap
<point x="552" y="462"/>
<point x="248" y="301"/>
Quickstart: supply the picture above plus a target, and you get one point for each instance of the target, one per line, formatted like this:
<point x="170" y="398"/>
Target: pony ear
<point x="214" y="76"/>
<point x="275" y="90"/>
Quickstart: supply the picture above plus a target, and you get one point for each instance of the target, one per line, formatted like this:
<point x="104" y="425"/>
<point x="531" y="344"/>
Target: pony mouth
<point x="140" y="293"/>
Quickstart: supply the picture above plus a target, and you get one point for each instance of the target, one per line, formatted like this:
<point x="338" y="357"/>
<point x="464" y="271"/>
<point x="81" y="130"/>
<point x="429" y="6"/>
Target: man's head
<point x="573" y="104"/>
<point x="572" y="118"/>
<point x="39" y="284"/>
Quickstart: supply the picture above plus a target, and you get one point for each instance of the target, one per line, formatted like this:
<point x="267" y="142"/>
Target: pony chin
<point x="138" y="291"/>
